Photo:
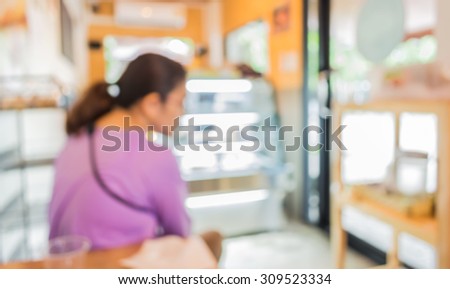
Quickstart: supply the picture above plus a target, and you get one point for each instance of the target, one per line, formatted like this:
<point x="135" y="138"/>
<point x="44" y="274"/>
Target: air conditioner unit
<point x="150" y="14"/>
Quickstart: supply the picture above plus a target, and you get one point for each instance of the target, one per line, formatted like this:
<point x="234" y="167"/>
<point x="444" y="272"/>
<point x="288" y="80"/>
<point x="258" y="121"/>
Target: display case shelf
<point x="14" y="162"/>
<point x="205" y="174"/>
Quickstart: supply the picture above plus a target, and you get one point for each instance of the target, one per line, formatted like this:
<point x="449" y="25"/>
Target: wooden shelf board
<point x="424" y="228"/>
<point x="401" y="104"/>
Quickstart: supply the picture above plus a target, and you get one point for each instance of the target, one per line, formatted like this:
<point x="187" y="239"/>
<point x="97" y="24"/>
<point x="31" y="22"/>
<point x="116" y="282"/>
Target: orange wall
<point x="237" y="13"/>
<point x="193" y="30"/>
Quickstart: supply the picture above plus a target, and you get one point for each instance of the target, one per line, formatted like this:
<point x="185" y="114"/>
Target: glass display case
<point x="32" y="113"/>
<point x="230" y="160"/>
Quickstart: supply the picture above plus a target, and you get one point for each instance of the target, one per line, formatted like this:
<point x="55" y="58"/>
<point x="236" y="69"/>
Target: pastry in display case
<point x="30" y="92"/>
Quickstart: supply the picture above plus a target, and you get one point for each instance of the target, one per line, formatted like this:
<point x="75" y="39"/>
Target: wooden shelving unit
<point x="433" y="230"/>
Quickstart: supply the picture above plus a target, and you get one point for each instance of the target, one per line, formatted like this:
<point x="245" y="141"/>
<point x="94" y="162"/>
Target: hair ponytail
<point x="146" y="74"/>
<point x="91" y="106"/>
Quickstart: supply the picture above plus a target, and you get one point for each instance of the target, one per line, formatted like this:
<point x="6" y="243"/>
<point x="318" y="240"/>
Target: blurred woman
<point x="111" y="188"/>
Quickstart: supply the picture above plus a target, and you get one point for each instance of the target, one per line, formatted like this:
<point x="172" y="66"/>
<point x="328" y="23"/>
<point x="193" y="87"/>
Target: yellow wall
<point x="194" y="30"/>
<point x="237" y="13"/>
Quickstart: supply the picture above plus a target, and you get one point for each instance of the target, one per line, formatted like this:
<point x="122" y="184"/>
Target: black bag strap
<point x="101" y="182"/>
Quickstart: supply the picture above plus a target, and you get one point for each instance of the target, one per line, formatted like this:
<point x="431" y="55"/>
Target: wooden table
<point x="101" y="259"/>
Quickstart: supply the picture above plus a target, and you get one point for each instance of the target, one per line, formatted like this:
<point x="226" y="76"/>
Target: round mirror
<point x="380" y="28"/>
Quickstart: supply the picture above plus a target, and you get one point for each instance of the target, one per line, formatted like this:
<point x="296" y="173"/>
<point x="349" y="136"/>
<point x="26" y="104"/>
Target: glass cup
<point x="67" y="252"/>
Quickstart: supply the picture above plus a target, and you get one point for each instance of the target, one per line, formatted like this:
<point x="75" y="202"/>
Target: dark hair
<point x="146" y="74"/>
<point x="247" y="71"/>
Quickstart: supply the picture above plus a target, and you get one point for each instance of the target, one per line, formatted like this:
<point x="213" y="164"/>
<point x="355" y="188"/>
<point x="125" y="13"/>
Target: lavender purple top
<point x="146" y="178"/>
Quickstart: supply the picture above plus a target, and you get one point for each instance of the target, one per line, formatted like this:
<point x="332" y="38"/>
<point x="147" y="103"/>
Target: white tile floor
<point x="296" y="247"/>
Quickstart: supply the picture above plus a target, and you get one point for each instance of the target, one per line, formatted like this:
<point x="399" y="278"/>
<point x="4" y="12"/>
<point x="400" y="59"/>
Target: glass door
<point x="316" y="105"/>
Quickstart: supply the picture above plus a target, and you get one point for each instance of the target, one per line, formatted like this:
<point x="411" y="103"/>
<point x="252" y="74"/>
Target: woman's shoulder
<point x="133" y="142"/>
